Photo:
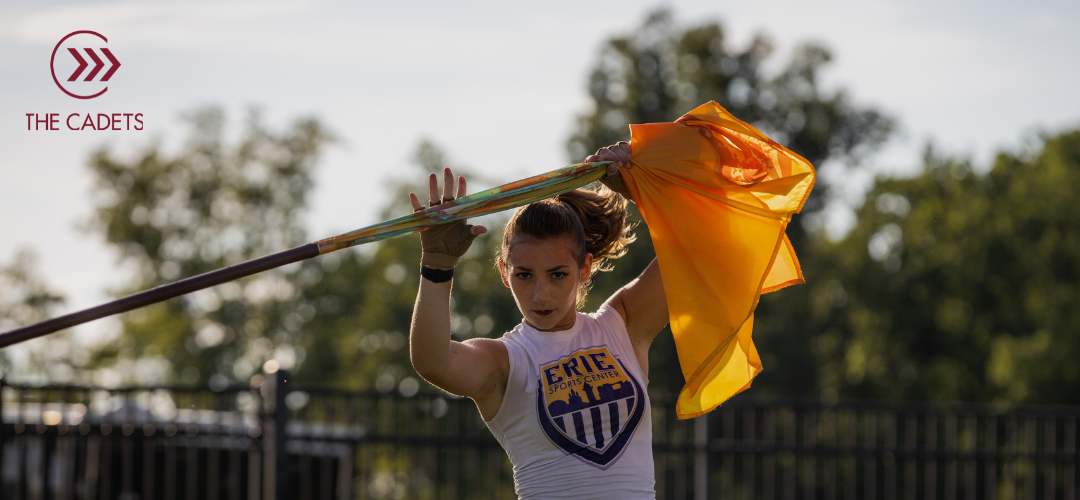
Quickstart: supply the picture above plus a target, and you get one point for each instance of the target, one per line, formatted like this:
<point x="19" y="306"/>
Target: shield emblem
<point x="589" y="405"/>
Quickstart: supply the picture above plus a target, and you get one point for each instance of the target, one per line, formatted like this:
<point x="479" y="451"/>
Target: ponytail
<point x="594" y="220"/>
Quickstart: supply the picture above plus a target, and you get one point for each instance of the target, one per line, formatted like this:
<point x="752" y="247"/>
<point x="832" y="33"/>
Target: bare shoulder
<point x="490" y="387"/>
<point x="493" y="350"/>
<point x="486" y="345"/>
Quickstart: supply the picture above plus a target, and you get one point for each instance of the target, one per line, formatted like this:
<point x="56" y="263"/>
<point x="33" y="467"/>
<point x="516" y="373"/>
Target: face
<point x="544" y="276"/>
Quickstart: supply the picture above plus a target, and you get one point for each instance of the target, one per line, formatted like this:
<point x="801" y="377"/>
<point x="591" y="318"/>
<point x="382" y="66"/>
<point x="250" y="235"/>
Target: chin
<point x="547" y="322"/>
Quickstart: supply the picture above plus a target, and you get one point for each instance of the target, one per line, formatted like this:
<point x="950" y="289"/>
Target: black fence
<point x="277" y="441"/>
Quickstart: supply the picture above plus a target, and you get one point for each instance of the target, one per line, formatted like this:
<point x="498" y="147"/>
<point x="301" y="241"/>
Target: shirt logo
<point x="589" y="405"/>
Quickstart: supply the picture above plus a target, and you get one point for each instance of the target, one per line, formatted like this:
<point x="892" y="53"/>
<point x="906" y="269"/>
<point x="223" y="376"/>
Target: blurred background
<point x="941" y="245"/>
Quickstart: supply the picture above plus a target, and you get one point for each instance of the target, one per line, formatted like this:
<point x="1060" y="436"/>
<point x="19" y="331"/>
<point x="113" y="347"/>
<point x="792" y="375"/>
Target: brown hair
<point x="595" y="220"/>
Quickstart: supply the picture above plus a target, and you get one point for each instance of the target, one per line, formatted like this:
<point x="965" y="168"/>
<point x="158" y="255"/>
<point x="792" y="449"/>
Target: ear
<point x="502" y="275"/>
<point x="586" y="269"/>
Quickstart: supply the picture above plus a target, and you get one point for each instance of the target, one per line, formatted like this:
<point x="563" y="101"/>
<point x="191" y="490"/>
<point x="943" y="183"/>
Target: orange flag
<point x="717" y="196"/>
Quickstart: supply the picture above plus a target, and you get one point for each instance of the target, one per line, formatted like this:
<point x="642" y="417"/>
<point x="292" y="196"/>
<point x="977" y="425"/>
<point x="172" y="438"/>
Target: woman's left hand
<point x="619" y="156"/>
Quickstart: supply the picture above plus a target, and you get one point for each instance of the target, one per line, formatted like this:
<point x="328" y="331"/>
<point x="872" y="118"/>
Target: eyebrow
<point x="549" y="270"/>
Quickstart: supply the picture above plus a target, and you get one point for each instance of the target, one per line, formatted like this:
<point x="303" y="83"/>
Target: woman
<point x="564" y="392"/>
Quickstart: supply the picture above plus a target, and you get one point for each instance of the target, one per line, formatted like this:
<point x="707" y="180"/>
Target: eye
<point x="558" y="274"/>
<point x="522" y="276"/>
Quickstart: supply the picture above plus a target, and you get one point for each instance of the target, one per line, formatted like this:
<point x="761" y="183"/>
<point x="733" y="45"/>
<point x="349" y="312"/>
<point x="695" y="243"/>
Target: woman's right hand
<point x="444" y="244"/>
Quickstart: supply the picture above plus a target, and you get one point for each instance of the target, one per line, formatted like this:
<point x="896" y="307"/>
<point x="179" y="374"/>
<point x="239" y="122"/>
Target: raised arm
<point x="642" y="302"/>
<point x="643" y="305"/>
<point x="476" y="368"/>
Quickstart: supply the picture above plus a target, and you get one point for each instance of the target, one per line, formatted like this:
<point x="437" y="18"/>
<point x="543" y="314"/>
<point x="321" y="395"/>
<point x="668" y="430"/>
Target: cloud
<point x="154" y="22"/>
<point x="280" y="29"/>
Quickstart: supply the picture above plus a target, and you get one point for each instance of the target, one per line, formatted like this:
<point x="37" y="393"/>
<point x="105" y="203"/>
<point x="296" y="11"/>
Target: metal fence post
<point x="701" y="457"/>
<point x="275" y="458"/>
<point x="2" y="450"/>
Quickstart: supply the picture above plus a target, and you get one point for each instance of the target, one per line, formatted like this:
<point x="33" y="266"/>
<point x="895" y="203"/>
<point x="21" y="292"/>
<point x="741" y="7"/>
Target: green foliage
<point x="210" y="205"/>
<point x="340" y="319"/>
<point x="25" y="299"/>
<point x="955" y="286"/>
<point x="662" y="71"/>
<point x="358" y="337"/>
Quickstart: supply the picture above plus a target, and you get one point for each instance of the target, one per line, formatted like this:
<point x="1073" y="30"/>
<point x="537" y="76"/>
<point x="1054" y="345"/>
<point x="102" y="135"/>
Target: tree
<point x="663" y="70"/>
<point x="340" y="319"/>
<point x="210" y="205"/>
<point x="359" y="340"/>
<point x="25" y="299"/>
<point x="958" y="286"/>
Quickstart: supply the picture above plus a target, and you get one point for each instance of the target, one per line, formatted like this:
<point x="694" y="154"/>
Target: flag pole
<point x="160" y="293"/>
<point x="493" y="200"/>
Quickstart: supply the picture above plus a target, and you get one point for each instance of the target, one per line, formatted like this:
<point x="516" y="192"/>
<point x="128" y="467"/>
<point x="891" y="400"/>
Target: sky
<point x="495" y="84"/>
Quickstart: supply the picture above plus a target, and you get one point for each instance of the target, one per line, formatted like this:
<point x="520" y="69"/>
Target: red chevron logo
<point x="78" y="88"/>
<point x="97" y="62"/>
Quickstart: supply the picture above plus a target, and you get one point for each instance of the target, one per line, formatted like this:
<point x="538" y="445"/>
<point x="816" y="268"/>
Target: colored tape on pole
<point x="496" y="199"/>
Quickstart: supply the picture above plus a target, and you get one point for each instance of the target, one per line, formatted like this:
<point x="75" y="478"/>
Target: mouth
<point x="543" y="313"/>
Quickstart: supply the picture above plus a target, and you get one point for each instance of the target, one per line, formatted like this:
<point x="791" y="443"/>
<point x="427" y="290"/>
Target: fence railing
<point x="277" y="441"/>
<point x="888" y="451"/>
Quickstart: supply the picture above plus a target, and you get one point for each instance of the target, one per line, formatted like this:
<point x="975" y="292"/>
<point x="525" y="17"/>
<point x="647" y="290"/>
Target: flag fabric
<point x="717" y="196"/>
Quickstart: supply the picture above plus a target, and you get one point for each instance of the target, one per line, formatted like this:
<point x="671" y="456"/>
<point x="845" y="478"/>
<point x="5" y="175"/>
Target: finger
<point x="624" y="157"/>
<point x="609" y="155"/>
<point x="592" y="158"/>
<point x="433" y="190"/>
<point x="460" y="186"/>
<point x="448" y="184"/>
<point x="477" y="230"/>
<point x="415" y="202"/>
<point x="612" y="169"/>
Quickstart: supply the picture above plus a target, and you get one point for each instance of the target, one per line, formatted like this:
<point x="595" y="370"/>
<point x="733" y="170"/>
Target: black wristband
<point x="436" y="275"/>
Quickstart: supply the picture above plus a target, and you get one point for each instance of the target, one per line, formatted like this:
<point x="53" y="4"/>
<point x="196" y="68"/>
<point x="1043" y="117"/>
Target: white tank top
<point x="575" y="419"/>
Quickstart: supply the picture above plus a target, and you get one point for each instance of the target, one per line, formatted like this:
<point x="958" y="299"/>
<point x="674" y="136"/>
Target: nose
<point x="542" y="293"/>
